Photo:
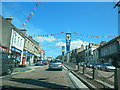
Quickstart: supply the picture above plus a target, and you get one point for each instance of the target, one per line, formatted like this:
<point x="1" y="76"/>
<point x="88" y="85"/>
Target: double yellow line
<point x="30" y="70"/>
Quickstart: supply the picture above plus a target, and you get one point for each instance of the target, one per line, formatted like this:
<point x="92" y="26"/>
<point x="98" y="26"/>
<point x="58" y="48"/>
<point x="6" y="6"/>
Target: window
<point x="18" y="40"/>
<point x="15" y="38"/>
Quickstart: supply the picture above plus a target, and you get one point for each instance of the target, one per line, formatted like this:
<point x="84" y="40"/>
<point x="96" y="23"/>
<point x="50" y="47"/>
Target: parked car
<point x="56" y="64"/>
<point x="45" y="62"/>
<point x="39" y="62"/>
<point x="90" y="65"/>
<point x="98" y="66"/>
<point x="82" y="63"/>
<point x="7" y="63"/>
<point x="108" y="67"/>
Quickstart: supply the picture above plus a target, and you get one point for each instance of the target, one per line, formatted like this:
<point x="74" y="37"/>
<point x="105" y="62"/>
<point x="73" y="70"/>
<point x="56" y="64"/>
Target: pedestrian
<point x="17" y="61"/>
<point x="8" y="55"/>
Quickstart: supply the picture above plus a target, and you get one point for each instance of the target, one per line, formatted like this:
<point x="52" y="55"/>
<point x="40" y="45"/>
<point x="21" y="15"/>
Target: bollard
<point x="78" y="67"/>
<point x="84" y="69"/>
<point x="95" y="72"/>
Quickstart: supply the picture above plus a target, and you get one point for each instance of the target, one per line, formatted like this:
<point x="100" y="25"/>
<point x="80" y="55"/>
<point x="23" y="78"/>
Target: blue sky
<point x="88" y="18"/>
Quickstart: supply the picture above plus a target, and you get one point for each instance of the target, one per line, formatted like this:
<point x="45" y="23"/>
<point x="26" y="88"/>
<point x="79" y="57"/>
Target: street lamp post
<point x="68" y="40"/>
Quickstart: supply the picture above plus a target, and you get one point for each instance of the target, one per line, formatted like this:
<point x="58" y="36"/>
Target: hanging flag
<point x="36" y="5"/>
<point x="38" y="2"/>
<point x="28" y="16"/>
<point x="24" y="23"/>
<point x="74" y="32"/>
<point x="26" y="20"/>
<point x="34" y="8"/>
<point x="32" y="13"/>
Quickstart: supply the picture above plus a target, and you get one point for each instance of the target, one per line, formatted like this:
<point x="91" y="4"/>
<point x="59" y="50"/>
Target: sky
<point x="86" y="18"/>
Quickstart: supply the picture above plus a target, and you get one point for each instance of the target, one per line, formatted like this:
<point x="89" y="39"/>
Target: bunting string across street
<point x="31" y="14"/>
<point x="45" y="35"/>
<point x="83" y="35"/>
<point x="94" y="36"/>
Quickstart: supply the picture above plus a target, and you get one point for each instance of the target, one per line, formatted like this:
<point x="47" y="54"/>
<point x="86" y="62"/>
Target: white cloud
<point x="77" y="44"/>
<point x="48" y="39"/>
<point x="60" y="44"/>
<point x="74" y="44"/>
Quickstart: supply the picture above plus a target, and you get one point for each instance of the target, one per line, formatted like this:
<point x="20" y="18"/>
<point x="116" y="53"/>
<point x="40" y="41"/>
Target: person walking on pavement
<point x="17" y="61"/>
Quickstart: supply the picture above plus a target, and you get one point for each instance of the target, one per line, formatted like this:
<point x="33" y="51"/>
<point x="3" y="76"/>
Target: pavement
<point x="24" y="69"/>
<point x="18" y="70"/>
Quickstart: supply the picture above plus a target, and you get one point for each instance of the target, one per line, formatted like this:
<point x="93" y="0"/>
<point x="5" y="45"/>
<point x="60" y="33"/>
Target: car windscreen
<point x="55" y="61"/>
<point x="39" y="61"/>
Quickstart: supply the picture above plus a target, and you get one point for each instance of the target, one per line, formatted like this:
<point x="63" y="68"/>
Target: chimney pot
<point x="9" y="19"/>
<point x="23" y="30"/>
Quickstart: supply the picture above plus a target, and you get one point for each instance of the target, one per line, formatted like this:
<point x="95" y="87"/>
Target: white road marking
<point x="64" y="67"/>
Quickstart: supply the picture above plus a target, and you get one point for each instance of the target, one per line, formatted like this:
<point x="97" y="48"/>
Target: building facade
<point x="17" y="45"/>
<point x="110" y="52"/>
<point x="6" y="31"/>
<point x="89" y="51"/>
<point x="24" y="49"/>
<point x="12" y="39"/>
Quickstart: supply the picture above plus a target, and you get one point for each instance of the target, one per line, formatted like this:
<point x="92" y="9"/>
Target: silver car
<point x="107" y="67"/>
<point x="56" y="64"/>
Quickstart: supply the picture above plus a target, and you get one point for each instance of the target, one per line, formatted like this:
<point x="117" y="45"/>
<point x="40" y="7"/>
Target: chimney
<point x="30" y="37"/>
<point x="23" y="30"/>
<point x="102" y="43"/>
<point x="9" y="19"/>
<point x="82" y="46"/>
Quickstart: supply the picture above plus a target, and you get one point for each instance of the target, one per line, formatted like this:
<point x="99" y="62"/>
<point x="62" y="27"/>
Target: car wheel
<point x="9" y="71"/>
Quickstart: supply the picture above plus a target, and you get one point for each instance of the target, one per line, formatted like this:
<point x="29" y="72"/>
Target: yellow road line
<point x="30" y="70"/>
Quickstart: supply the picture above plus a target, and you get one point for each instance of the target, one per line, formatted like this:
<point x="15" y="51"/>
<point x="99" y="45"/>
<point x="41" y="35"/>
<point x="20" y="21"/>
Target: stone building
<point x="89" y="51"/>
<point x="110" y="52"/>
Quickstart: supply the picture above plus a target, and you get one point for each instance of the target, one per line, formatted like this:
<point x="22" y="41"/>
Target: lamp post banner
<point x="63" y="50"/>
<point x="68" y="40"/>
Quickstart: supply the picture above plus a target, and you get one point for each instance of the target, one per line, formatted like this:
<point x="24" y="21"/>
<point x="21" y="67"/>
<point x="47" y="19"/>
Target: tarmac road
<point x="38" y="78"/>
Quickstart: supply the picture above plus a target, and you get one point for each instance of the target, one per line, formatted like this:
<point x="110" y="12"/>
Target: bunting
<point x="45" y="35"/>
<point x="31" y="14"/>
<point x="91" y="36"/>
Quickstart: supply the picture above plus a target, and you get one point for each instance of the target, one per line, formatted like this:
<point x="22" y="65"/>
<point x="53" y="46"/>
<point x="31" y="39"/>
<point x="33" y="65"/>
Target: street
<point x="39" y="77"/>
<point x="81" y="39"/>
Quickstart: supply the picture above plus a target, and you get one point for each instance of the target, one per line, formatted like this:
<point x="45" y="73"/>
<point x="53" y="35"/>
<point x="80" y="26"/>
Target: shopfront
<point x="3" y="49"/>
<point x="17" y="55"/>
<point x="28" y="57"/>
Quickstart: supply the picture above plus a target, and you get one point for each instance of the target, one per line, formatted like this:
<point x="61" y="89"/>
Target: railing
<point x="101" y="76"/>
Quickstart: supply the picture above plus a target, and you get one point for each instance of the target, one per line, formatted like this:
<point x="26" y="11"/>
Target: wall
<point x="6" y="33"/>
